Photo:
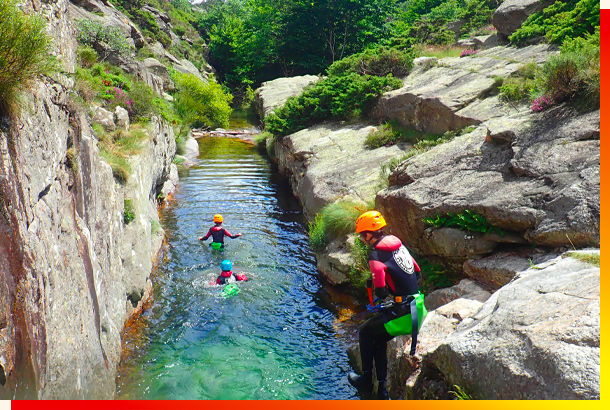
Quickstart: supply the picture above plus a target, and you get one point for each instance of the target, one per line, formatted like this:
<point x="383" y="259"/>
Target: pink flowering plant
<point x="543" y="102"/>
<point x="468" y="52"/>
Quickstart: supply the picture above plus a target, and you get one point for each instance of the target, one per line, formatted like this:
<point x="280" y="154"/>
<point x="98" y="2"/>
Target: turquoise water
<point x="279" y="338"/>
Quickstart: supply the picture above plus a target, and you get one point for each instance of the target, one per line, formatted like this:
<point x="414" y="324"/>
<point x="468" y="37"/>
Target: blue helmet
<point x="226" y="265"/>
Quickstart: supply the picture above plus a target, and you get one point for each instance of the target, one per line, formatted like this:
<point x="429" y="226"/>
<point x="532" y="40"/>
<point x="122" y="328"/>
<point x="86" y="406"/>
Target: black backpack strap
<point x="414" y="325"/>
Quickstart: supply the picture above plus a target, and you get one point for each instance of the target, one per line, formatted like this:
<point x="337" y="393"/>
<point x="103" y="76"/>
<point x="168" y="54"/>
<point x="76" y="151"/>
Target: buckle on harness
<point x="401" y="299"/>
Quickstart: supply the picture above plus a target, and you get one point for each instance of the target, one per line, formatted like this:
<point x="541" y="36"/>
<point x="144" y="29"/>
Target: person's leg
<point x="368" y="338"/>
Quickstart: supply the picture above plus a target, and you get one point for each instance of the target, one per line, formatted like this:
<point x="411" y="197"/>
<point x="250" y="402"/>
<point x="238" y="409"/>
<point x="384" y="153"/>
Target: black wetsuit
<point x="218" y="234"/>
<point x="394" y="272"/>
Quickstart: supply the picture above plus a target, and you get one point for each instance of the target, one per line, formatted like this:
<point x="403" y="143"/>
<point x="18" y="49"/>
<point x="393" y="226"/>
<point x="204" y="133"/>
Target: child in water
<point x="226" y="266"/>
<point x="218" y="233"/>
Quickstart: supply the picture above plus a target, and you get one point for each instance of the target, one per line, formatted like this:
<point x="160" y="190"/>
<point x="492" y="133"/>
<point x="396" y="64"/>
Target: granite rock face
<point x="539" y="336"/>
<point x="71" y="270"/>
<point x="512" y="13"/>
<point x="534" y="176"/>
<point x="274" y="93"/>
<point x="453" y="93"/>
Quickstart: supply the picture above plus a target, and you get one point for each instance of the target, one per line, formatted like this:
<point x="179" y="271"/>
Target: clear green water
<point x="279" y="338"/>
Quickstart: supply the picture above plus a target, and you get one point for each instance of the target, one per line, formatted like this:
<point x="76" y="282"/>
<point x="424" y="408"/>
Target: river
<point x="281" y="337"/>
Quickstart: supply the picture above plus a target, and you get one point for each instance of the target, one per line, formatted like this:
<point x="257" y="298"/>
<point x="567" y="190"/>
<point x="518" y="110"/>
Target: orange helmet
<point x="370" y="221"/>
<point x="218" y="218"/>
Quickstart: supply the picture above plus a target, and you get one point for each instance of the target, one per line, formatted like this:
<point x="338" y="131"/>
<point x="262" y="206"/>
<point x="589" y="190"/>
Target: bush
<point x="105" y="39"/>
<point x="574" y="74"/>
<point x="466" y="220"/>
<point x="24" y="52"/>
<point x="360" y="271"/>
<point x="380" y="62"/>
<point x="118" y="146"/>
<point x="339" y="97"/>
<point x="560" y="21"/>
<point x="87" y="56"/>
<point x="200" y="103"/>
<point x="392" y="133"/>
<point x="317" y="237"/>
<point x="340" y="218"/>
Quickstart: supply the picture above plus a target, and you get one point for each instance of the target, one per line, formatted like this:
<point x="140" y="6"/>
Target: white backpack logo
<point x="403" y="259"/>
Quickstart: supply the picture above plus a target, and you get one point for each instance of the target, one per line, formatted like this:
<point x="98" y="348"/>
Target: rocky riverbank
<point x="527" y="315"/>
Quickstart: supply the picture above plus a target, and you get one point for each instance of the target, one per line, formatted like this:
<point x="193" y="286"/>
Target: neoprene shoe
<point x="364" y="384"/>
<point x="382" y="391"/>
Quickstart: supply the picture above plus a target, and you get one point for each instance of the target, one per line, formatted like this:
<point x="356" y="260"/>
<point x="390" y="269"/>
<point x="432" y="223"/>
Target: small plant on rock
<point x="468" y="52"/>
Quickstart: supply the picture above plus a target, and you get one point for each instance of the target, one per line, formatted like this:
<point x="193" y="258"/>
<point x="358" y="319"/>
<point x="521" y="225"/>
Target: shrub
<point x="466" y="220"/>
<point x="128" y="214"/>
<point x="87" y="56"/>
<point x="560" y="21"/>
<point x="380" y="62"/>
<point x="340" y="218"/>
<point x="340" y="97"/>
<point x="348" y="92"/>
<point x="543" y="102"/>
<point x="118" y="146"/>
<point x="360" y="271"/>
<point x="105" y="39"/>
<point x="200" y="103"/>
<point x="574" y="74"/>
<point x="392" y="133"/>
<point x="317" y="238"/>
<point x="24" y="52"/>
<point x="468" y="52"/>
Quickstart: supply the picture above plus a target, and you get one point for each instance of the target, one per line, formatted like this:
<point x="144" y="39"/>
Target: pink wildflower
<point x="542" y="102"/>
<point x="468" y="52"/>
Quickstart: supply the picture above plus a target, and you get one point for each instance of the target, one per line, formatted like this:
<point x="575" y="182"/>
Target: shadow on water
<point x="281" y="337"/>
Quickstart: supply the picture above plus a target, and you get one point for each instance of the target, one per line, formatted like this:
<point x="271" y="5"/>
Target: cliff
<point x="73" y="269"/>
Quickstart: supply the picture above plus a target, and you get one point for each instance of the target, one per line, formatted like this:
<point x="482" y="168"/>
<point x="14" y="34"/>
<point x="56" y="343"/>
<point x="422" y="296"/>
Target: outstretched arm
<point x="207" y="235"/>
<point x="227" y="233"/>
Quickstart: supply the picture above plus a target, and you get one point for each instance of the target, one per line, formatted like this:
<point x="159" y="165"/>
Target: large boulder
<point x="536" y="338"/>
<point x="160" y="70"/>
<point x="273" y="94"/>
<point x="534" y="176"/>
<point x="451" y="94"/>
<point x="329" y="161"/>
<point x="512" y="13"/>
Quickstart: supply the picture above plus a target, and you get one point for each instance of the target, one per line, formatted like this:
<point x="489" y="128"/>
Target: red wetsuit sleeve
<point x="415" y="265"/>
<point x="230" y="235"/>
<point x="378" y="270"/>
<point x="207" y="235"/>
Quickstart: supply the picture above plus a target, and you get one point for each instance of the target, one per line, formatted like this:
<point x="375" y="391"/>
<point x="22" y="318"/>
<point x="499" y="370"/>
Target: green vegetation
<point x="117" y="147"/>
<point x="317" y="236"/>
<point x="442" y="51"/>
<point x="573" y="75"/>
<point x="522" y="85"/>
<point x="333" y="221"/>
<point x="200" y="103"/>
<point x="434" y="276"/>
<point x="24" y="53"/>
<point x="107" y="39"/>
<point x="466" y="220"/>
<point x="345" y="94"/>
<point x="591" y="258"/>
<point x="460" y="394"/>
<point x="560" y="21"/>
<point x="128" y="214"/>
<point x="360" y="271"/>
<point x="392" y="133"/>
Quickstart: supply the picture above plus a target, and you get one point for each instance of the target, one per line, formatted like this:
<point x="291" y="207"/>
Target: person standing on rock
<point x="394" y="272"/>
<point x="218" y="233"/>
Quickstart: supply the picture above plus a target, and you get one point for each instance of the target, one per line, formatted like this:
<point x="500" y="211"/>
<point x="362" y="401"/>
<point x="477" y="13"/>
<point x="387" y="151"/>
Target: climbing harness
<point x="407" y="324"/>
